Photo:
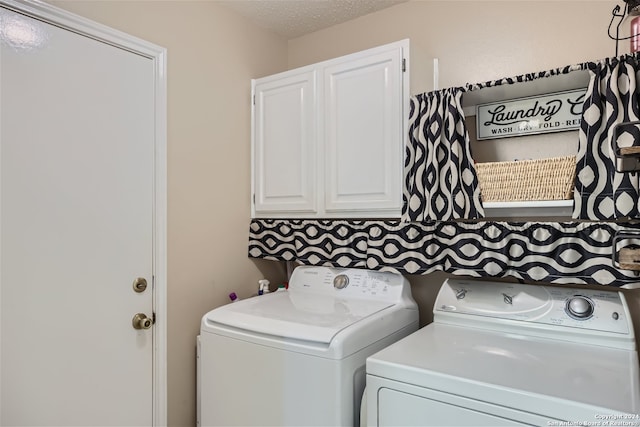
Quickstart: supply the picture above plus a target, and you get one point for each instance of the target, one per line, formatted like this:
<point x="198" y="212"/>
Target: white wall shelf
<point x="537" y="147"/>
<point x="537" y="208"/>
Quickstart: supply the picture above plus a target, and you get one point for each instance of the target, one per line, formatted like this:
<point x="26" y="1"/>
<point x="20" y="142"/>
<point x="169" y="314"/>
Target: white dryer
<point x="511" y="354"/>
<point x="297" y="357"/>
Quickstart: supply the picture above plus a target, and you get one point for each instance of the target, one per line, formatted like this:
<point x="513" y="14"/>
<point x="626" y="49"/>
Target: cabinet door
<point x="284" y="144"/>
<point x="364" y="135"/>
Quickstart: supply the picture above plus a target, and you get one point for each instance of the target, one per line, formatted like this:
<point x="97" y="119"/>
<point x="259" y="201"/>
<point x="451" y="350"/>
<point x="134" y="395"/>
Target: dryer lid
<point x="295" y="315"/>
<point x="515" y="370"/>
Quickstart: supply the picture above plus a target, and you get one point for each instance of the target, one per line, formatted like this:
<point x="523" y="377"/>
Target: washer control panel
<point x="350" y="282"/>
<point x="586" y="309"/>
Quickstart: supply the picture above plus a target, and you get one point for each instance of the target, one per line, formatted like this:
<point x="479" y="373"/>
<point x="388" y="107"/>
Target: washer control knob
<point x="579" y="307"/>
<point x="461" y="293"/>
<point x="340" y="281"/>
<point x="508" y="299"/>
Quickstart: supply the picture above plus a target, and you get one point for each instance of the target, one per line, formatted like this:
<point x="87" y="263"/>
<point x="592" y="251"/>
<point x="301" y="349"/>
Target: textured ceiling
<point x="294" y="18"/>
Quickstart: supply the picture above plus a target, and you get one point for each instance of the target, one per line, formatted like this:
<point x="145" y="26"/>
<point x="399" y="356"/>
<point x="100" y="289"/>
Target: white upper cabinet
<point x="328" y="139"/>
<point x="363" y="124"/>
<point x="285" y="143"/>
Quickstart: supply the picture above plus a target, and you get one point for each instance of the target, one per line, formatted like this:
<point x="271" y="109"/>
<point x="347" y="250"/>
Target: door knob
<point x="141" y="321"/>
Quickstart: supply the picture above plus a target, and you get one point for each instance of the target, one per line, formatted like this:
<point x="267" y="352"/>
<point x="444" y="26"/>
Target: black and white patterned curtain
<point x="440" y="181"/>
<point x="601" y="193"/>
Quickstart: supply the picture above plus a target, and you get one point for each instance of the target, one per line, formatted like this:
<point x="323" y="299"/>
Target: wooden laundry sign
<point x="553" y="112"/>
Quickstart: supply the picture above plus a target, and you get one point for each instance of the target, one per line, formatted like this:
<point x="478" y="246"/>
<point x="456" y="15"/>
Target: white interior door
<point x="76" y="227"/>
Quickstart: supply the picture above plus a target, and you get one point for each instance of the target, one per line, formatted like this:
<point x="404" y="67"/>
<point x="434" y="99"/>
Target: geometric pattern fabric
<point x="553" y="252"/>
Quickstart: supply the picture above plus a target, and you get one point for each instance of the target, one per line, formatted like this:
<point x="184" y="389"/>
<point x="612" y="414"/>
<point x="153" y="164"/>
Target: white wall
<point x="476" y="41"/>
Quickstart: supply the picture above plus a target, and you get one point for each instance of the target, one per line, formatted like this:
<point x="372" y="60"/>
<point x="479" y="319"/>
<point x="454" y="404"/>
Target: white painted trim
<point x="63" y="19"/>
<point x="1" y="400"/>
<point x="80" y="25"/>
<point x="436" y="73"/>
<point x="252" y="194"/>
<point x="160" y="246"/>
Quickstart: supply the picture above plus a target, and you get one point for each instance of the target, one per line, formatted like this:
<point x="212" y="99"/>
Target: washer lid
<point x="295" y="315"/>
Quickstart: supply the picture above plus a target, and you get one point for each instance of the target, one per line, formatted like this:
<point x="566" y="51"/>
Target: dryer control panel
<point x="562" y="312"/>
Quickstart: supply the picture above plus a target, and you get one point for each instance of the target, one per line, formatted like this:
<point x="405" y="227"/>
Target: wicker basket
<point x="543" y="179"/>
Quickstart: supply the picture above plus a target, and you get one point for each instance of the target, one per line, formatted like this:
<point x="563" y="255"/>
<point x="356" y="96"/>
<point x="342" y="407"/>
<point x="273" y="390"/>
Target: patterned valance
<point x="565" y="252"/>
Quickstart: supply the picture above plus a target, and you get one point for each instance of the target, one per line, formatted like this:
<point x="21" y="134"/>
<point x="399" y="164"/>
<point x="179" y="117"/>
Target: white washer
<point x="511" y="354"/>
<point x="297" y="357"/>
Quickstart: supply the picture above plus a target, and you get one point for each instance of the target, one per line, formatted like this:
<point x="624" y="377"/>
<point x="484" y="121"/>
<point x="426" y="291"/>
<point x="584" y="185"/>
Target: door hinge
<point x="254" y="198"/>
<point x="254" y="100"/>
<point x="153" y="318"/>
<point x="404" y="65"/>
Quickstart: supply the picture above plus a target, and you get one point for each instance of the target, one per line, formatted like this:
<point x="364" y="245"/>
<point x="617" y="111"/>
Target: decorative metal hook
<point x="615" y="13"/>
<point x="631" y="8"/>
